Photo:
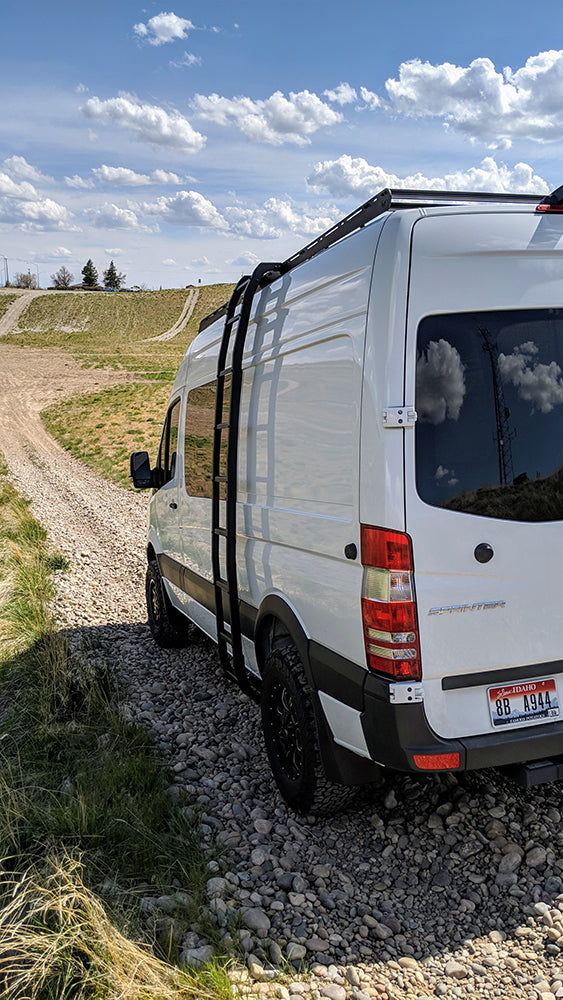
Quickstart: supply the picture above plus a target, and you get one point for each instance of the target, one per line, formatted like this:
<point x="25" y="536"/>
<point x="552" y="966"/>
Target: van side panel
<point x="299" y="443"/>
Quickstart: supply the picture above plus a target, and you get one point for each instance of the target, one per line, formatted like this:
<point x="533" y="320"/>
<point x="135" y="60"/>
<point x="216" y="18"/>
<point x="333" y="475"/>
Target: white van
<point x="359" y="494"/>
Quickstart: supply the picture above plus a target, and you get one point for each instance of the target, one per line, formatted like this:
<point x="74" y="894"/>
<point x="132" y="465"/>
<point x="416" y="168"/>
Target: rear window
<point x="489" y="398"/>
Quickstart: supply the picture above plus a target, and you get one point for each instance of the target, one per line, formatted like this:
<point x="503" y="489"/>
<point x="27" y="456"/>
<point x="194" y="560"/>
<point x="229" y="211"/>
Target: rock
<point x="256" y="920"/>
<point x="315" y="944"/>
<point x="196" y="957"/>
<point x="295" y="952"/>
<point x="454" y="970"/>
<point x="333" y="991"/>
<point x="509" y="862"/>
<point x="536" y="857"/>
<point x="216" y="886"/>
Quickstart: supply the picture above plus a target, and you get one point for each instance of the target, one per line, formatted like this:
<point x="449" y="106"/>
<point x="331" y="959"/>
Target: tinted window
<point x="198" y="446"/>
<point x="167" y="453"/>
<point x="489" y="398"/>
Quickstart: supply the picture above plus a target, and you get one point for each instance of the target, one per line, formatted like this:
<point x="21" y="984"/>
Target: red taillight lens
<point x="388" y="604"/>
<point x="548" y="208"/>
<point x="436" y="761"/>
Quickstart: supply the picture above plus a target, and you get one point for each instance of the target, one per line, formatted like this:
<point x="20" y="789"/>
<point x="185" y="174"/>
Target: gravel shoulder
<point x="432" y="886"/>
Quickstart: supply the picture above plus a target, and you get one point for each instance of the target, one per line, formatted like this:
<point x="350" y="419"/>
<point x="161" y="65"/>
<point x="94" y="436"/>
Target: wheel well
<point x="151" y="554"/>
<point x="276" y="626"/>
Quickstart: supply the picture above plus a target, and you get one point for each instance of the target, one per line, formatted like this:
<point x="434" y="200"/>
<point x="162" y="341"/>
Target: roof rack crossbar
<point x="404" y="197"/>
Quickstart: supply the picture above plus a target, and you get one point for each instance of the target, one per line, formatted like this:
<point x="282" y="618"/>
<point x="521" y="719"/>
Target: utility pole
<point x="505" y="435"/>
<point x="7" y="277"/>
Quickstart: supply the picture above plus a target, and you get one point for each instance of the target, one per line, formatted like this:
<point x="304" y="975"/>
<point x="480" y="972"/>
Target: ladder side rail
<point x="232" y="469"/>
<point x="216" y="470"/>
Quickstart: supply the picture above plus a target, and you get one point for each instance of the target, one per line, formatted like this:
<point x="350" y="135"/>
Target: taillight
<point x="388" y="604"/>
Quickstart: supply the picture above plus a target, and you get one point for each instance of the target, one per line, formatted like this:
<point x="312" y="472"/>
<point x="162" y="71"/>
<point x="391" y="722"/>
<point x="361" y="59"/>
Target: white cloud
<point x="355" y="176"/>
<point x="11" y="189"/>
<point x="186" y="208"/>
<point x="343" y="94"/>
<point x="276" y="120"/>
<point x="110" y="216"/>
<point x="537" y="383"/>
<point x="124" y="176"/>
<point x="163" y="28"/>
<point x="39" y="215"/>
<point x="440" y="383"/>
<point x="79" y="182"/>
<point x="370" y="99"/>
<point x="169" y="262"/>
<point x="493" y="106"/>
<point x="113" y="251"/>
<point x="17" y="166"/>
<point x="246" y="260"/>
<point x="149" y="122"/>
<point x="57" y="253"/>
<point x="188" y="59"/>
<point x="274" y="218"/>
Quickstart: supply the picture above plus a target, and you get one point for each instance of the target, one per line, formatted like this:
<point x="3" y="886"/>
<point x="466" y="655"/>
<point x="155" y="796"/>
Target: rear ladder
<point x="225" y="473"/>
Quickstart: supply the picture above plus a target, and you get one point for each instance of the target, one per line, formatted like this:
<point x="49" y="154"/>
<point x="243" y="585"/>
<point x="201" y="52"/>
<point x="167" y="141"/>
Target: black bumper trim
<point x="503" y="676"/>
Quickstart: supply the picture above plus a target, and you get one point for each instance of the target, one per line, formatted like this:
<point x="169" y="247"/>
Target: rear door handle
<point x="173" y="505"/>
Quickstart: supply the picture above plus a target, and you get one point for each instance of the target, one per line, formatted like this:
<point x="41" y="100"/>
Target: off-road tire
<point x="291" y="738"/>
<point x="163" y="620"/>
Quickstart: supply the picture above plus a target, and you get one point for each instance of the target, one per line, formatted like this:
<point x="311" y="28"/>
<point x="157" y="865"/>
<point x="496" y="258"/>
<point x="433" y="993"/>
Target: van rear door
<point x="484" y="467"/>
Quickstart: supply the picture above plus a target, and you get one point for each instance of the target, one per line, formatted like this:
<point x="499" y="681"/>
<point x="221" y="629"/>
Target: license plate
<point x="517" y="704"/>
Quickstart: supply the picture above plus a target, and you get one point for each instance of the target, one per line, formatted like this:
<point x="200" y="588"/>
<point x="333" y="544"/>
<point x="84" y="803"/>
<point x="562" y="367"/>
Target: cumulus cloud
<point x="343" y="94"/>
<point x="149" y="122"/>
<point x="17" y="166"/>
<point x="274" y="218"/>
<point x="370" y="99"/>
<point x="355" y="176"/>
<point x="483" y="102"/>
<point x="186" y="208"/>
<point x="163" y="28"/>
<point x="78" y="182"/>
<point x="246" y="260"/>
<point x="536" y="383"/>
<point x="276" y="120"/>
<point x="111" y="216"/>
<point x="130" y="178"/>
<point x="41" y="214"/>
<point x="440" y="383"/>
<point x="11" y="189"/>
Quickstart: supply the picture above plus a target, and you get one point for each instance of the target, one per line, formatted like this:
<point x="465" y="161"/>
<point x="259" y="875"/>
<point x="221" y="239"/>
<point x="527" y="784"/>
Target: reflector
<point x="436" y="761"/>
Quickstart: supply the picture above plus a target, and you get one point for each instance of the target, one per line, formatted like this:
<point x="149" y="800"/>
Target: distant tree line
<point x="113" y="279"/>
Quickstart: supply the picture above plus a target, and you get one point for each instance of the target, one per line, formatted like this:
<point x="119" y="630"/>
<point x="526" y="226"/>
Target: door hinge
<point x="399" y="416"/>
<point x="405" y="693"/>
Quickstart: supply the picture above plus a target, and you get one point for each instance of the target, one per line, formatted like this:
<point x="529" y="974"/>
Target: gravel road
<point x="431" y="886"/>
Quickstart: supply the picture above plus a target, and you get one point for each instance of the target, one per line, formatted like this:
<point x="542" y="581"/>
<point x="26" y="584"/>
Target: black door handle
<point x="173" y="505"/>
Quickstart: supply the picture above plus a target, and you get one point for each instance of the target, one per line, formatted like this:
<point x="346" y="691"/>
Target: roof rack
<point x="384" y="201"/>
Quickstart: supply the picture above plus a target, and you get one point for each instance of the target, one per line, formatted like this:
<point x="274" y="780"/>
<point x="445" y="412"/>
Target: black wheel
<point x="163" y="620"/>
<point x="291" y="738"/>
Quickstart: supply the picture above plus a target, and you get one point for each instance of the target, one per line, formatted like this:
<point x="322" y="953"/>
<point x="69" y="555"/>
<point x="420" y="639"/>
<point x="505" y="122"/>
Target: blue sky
<point x="187" y="141"/>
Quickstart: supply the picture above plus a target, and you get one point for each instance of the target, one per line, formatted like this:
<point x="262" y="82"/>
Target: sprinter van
<point x="359" y="494"/>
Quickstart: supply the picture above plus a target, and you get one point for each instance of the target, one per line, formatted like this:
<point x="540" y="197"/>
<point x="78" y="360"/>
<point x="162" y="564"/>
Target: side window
<point x="198" y="444"/>
<point x="168" y="451"/>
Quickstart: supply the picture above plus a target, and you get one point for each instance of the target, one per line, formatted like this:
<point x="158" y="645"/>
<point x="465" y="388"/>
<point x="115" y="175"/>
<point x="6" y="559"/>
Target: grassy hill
<point x="102" y="329"/>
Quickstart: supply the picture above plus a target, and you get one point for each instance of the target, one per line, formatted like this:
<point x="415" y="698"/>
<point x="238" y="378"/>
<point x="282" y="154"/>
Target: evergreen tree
<point x="113" y="278"/>
<point x="89" y="275"/>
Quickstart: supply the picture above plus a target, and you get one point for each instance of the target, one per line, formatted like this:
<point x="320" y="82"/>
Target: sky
<point x="189" y="141"/>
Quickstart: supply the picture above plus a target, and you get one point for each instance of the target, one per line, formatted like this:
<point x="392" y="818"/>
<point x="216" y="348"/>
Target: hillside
<point x="101" y="330"/>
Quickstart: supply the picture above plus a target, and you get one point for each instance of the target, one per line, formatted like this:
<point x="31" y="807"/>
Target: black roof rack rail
<point x="400" y="198"/>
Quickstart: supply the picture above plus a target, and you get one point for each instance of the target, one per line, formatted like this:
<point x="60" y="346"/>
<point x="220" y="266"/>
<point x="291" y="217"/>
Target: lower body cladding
<point x="365" y="720"/>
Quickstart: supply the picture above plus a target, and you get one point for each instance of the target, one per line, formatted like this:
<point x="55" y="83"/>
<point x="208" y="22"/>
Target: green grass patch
<point x="87" y="824"/>
<point x="114" y="329"/>
<point x="103" y="428"/>
<point x="6" y="300"/>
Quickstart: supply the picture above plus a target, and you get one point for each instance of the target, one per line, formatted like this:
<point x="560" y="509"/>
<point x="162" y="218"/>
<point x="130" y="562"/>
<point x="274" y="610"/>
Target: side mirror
<point x="140" y="470"/>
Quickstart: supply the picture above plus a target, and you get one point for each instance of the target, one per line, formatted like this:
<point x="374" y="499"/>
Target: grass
<point x="106" y="329"/>
<point x="86" y="824"/>
<point x="5" y="302"/>
<point x="103" y="428"/>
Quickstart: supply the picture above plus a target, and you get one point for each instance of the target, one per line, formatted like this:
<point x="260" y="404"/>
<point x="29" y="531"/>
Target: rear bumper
<point x="396" y="733"/>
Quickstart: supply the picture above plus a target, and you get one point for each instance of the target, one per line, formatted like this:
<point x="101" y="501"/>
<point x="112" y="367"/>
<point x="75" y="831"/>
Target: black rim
<point x="286" y="732"/>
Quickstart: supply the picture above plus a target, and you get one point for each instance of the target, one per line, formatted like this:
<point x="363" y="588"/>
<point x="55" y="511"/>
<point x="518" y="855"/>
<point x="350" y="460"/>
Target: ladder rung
<point x="233" y="319"/>
<point x="223" y="426"/>
<point x="222" y="584"/>
<point x="219" y="479"/>
<point x="220" y="531"/>
<point x="225" y="637"/>
<point x="225" y="372"/>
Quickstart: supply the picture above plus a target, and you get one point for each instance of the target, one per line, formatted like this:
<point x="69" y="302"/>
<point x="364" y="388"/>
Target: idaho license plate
<point x="531" y="701"/>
